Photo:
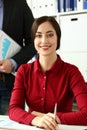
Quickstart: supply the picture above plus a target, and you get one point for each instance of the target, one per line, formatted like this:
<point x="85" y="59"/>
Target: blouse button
<point x="44" y="77"/>
<point x="42" y="99"/>
<point x="44" y="88"/>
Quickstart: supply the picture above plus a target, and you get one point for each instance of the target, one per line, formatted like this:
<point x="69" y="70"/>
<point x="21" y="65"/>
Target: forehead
<point x="45" y="27"/>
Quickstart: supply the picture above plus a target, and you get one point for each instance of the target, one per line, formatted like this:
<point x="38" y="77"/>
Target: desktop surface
<point x="7" y="124"/>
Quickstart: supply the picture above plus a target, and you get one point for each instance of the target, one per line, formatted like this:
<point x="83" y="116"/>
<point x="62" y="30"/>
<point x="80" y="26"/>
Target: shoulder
<point x="18" y="2"/>
<point x="69" y="69"/>
<point x="66" y="66"/>
<point x="25" y="67"/>
<point x="73" y="72"/>
<point x="24" y="72"/>
<point x="13" y="3"/>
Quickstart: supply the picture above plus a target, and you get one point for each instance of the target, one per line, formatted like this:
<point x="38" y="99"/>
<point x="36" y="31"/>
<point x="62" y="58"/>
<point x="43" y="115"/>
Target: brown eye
<point x="50" y="35"/>
<point x="38" y="35"/>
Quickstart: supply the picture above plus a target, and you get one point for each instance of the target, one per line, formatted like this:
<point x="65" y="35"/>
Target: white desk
<point x="7" y="124"/>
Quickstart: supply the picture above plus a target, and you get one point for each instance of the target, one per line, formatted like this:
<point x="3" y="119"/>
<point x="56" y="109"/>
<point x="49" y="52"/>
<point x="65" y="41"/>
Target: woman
<point x="47" y="81"/>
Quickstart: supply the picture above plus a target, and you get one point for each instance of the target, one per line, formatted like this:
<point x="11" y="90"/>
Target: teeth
<point x="44" y="46"/>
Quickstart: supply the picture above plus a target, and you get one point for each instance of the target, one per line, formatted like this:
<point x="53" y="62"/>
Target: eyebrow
<point x="46" y="32"/>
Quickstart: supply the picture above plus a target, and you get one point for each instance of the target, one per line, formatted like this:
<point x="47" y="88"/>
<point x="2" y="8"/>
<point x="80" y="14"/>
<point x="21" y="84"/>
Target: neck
<point x="47" y="62"/>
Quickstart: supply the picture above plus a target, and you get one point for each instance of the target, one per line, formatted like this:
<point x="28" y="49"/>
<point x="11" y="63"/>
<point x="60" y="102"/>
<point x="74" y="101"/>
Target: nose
<point x="44" y="39"/>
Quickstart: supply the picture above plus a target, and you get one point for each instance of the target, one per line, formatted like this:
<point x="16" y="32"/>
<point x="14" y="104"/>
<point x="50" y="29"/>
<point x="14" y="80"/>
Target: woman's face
<point x="45" y="39"/>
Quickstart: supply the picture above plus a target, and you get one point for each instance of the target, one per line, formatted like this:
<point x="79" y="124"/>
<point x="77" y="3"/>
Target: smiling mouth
<point x="45" y="47"/>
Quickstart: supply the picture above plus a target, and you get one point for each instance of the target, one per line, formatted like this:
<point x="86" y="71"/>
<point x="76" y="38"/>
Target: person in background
<point x="16" y="20"/>
<point x="47" y="81"/>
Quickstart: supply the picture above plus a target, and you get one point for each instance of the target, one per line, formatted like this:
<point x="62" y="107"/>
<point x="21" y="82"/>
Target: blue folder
<point x="85" y="4"/>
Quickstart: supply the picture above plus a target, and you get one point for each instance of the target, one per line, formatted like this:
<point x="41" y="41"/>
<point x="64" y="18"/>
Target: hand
<point x="46" y="121"/>
<point x="36" y="113"/>
<point x="6" y="66"/>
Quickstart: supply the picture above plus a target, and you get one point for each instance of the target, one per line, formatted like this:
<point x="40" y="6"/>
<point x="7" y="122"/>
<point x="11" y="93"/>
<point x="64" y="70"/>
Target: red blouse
<point x="41" y="91"/>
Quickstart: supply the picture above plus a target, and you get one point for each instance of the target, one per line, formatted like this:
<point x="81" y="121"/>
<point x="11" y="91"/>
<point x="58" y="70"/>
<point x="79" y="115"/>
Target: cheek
<point x="55" y="46"/>
<point x="36" y="44"/>
<point x="54" y="42"/>
<point x="36" y="41"/>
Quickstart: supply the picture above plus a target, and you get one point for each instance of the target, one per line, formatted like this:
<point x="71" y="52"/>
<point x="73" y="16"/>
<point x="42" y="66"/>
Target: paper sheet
<point x="8" y="47"/>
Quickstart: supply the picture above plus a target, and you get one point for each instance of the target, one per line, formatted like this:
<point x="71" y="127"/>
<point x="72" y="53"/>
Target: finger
<point x="51" y="123"/>
<point x="57" y="119"/>
<point x="2" y="70"/>
<point x="48" y="126"/>
<point x="44" y="124"/>
<point x="51" y="117"/>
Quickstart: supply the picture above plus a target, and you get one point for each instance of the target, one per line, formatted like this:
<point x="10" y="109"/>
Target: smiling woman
<point x="53" y="23"/>
<point x="46" y="40"/>
<point x="46" y="81"/>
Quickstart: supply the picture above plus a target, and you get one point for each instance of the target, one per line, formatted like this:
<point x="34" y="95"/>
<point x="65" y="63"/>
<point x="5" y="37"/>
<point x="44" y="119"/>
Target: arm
<point x="16" y="107"/>
<point x="28" y="51"/>
<point x="79" y="89"/>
